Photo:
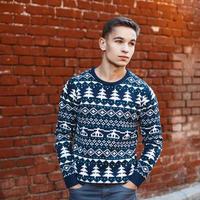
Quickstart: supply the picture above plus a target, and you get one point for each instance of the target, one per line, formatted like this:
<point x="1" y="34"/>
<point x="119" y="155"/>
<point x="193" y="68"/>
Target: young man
<point x="100" y="114"/>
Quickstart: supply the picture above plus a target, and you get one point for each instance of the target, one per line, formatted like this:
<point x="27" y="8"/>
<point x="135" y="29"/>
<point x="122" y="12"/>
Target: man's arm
<point x="65" y="130"/>
<point x="152" y="135"/>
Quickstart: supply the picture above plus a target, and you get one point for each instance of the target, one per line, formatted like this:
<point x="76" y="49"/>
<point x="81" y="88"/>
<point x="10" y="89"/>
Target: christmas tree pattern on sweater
<point x="98" y="126"/>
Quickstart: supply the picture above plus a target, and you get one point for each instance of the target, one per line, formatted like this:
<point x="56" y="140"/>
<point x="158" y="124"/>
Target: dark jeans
<point x="102" y="192"/>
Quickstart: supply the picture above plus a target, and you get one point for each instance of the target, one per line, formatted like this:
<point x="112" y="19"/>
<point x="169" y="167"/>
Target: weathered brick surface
<point x="44" y="42"/>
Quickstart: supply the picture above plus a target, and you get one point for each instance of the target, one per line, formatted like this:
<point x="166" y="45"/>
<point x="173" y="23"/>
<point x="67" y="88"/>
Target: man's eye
<point x="119" y="41"/>
<point x="132" y="44"/>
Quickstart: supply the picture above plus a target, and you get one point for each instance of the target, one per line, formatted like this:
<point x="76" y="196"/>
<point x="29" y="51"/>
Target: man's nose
<point x="125" y="48"/>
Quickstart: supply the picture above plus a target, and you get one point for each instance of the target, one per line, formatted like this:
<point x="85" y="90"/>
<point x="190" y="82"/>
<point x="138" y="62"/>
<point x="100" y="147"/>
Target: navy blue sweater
<point x="98" y="126"/>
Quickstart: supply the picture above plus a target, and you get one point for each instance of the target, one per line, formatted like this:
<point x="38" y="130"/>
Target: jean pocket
<point x="76" y="189"/>
<point x="126" y="188"/>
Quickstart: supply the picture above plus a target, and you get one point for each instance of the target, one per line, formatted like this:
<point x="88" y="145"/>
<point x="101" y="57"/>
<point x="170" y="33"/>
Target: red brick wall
<point x="44" y="42"/>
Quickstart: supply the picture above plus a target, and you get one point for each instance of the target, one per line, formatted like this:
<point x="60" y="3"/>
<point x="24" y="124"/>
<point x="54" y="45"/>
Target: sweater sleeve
<point x="152" y="135"/>
<point x="65" y="130"/>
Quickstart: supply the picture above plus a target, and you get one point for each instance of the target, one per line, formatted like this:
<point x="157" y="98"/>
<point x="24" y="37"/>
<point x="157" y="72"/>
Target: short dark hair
<point x="119" y="21"/>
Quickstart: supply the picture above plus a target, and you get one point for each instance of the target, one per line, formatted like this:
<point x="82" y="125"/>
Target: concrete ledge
<point x="192" y="192"/>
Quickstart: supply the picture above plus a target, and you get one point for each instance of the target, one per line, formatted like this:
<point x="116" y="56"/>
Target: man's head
<point x="119" y="21"/>
<point x="118" y="41"/>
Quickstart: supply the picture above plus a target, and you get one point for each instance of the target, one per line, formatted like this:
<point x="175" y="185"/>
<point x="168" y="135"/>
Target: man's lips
<point x="123" y="57"/>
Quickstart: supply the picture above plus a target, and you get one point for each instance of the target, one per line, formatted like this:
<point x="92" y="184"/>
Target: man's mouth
<point x="123" y="57"/>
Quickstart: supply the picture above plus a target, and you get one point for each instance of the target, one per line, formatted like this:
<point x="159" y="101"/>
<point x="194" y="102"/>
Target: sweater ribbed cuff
<point x="71" y="180"/>
<point x="136" y="178"/>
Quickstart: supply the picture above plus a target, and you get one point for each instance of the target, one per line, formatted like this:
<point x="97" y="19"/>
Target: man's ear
<point x="102" y="43"/>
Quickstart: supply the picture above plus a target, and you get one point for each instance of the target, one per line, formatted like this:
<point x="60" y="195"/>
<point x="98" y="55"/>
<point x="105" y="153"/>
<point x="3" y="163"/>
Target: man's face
<point x="119" y="46"/>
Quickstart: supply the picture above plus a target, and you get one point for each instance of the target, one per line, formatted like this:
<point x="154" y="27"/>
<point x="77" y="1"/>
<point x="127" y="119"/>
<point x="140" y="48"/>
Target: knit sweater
<point x="98" y="126"/>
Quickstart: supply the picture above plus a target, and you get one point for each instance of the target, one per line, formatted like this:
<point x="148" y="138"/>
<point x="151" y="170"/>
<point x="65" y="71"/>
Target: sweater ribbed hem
<point x="137" y="179"/>
<point x="71" y="180"/>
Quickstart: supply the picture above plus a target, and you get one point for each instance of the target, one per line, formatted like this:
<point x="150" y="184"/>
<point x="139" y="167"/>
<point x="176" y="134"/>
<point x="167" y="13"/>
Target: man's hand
<point x="130" y="185"/>
<point x="77" y="186"/>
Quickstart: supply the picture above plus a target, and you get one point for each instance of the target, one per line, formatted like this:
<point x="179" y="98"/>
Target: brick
<point x="71" y="43"/>
<point x="7" y="101"/>
<point x="4" y="49"/>
<point x="57" y="62"/>
<point x="71" y="62"/>
<point x="36" y="110"/>
<point x="157" y="56"/>
<point x="177" y="104"/>
<point x="55" y="176"/>
<point x="92" y="34"/>
<point x="23" y="1"/>
<point x="193" y="103"/>
<point x="60" y="22"/>
<point x="4" y="121"/>
<point x="41" y="188"/>
<point x="24" y="100"/>
<point x="39" y="2"/>
<point x="15" y="192"/>
<point x="40" y="179"/>
<point x="41" y="80"/>
<point x="90" y="15"/>
<point x="158" y="73"/>
<point x="34" y="71"/>
<point x="193" y="88"/>
<point x="56" y="81"/>
<point x="164" y="40"/>
<point x="8" y="183"/>
<point x="175" y="73"/>
<point x="196" y="95"/>
<point x="6" y="18"/>
<point x="5" y="164"/>
<point x="27" y="51"/>
<point x="98" y="6"/>
<point x="53" y="99"/>
<point x="6" y="143"/>
<point x="8" y="39"/>
<point x="57" y="42"/>
<point x="25" y="40"/>
<point x="21" y="142"/>
<point x="24" y="162"/>
<point x="60" y="52"/>
<point x="149" y="5"/>
<point x="178" y="119"/>
<point x="39" y="10"/>
<point x="35" y="130"/>
<point x="13" y="111"/>
<point x="109" y="8"/>
<point x="70" y="3"/>
<point x="27" y="80"/>
<point x="39" y="140"/>
<point x="41" y="100"/>
<point x="54" y="2"/>
<point x="12" y="91"/>
<point x="42" y="89"/>
<point x="70" y="33"/>
<point x="67" y="71"/>
<point x="10" y="153"/>
<point x="8" y="80"/>
<point x="38" y="20"/>
<point x="23" y="180"/>
<point x="8" y="60"/>
<point x="44" y="31"/>
<point x="42" y="61"/>
<point x="19" y="121"/>
<point x="26" y="60"/>
<point x="60" y="12"/>
<point x="12" y="8"/>
<point x="22" y="19"/>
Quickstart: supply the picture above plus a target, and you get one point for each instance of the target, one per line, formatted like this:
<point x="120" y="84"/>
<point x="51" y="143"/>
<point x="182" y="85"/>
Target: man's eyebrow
<point x="118" y="37"/>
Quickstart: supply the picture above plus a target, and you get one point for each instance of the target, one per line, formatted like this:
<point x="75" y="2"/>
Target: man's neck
<point x="110" y="73"/>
